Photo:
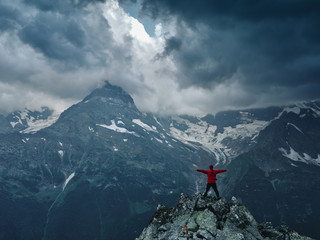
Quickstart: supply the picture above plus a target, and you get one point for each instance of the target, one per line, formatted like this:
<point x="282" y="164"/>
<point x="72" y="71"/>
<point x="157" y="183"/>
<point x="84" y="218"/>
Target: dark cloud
<point x="64" y="6"/>
<point x="63" y="36"/>
<point x="56" y="52"/>
<point x="57" y="37"/>
<point x="260" y="44"/>
<point x="172" y="44"/>
<point x="247" y="10"/>
<point x="223" y="54"/>
<point x="10" y="17"/>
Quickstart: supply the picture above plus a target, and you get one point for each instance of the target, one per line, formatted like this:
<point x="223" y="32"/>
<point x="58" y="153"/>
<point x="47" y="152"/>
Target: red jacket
<point x="211" y="174"/>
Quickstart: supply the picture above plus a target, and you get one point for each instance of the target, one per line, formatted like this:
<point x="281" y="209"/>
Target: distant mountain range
<point x="99" y="170"/>
<point x="27" y="121"/>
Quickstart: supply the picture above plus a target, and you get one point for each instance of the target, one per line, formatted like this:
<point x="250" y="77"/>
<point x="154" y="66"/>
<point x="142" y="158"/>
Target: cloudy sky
<point x="172" y="56"/>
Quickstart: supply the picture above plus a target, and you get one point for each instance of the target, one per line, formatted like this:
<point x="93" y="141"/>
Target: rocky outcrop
<point x="207" y="218"/>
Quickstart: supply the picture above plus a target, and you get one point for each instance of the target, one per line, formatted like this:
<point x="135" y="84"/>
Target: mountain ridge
<point x="123" y="163"/>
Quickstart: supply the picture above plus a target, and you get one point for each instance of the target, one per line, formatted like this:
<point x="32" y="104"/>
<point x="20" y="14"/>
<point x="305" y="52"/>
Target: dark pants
<point x="214" y="186"/>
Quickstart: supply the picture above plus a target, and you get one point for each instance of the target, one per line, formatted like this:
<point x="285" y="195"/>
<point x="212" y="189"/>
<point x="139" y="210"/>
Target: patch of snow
<point x="125" y="140"/>
<point x="291" y="124"/>
<point x="201" y="133"/>
<point x="13" y="124"/>
<point x="317" y="111"/>
<point x="245" y="130"/>
<point x="24" y="113"/>
<point x="61" y="153"/>
<point x="120" y="122"/>
<point x="159" y="140"/>
<point x="143" y="125"/>
<point x="295" y="110"/>
<point x="115" y="149"/>
<point x="115" y="128"/>
<point x="295" y="156"/>
<point x="68" y="180"/>
<point x="220" y="155"/>
<point x="313" y="107"/>
<point x="44" y="139"/>
<point x="90" y="129"/>
<point x="292" y="154"/>
<point x="157" y="121"/>
<point x="60" y="143"/>
<point x="205" y="134"/>
<point x="245" y="117"/>
<point x="36" y="125"/>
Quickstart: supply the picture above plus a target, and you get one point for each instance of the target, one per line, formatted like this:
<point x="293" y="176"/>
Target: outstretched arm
<point x="220" y="171"/>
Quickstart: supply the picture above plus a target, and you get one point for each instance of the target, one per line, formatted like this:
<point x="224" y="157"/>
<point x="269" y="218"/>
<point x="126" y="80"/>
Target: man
<point x="211" y="174"/>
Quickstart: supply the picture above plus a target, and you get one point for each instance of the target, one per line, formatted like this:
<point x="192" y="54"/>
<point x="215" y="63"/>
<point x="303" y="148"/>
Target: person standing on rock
<point x="211" y="174"/>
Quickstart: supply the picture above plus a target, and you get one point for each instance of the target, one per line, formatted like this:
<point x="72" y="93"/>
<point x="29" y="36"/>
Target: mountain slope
<point x="27" y="121"/>
<point x="279" y="178"/>
<point x="100" y="170"/>
<point x="226" y="135"/>
<point x="102" y="164"/>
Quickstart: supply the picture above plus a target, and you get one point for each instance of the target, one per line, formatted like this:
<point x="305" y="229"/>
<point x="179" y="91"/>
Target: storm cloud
<point x="55" y="49"/>
<point x="203" y="56"/>
<point x="265" y="46"/>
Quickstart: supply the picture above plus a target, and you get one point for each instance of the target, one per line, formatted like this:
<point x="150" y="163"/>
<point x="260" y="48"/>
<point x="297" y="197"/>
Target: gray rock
<point x="207" y="218"/>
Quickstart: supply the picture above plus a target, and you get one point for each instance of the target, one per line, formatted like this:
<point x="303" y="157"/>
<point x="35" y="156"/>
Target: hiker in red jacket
<point x="211" y="179"/>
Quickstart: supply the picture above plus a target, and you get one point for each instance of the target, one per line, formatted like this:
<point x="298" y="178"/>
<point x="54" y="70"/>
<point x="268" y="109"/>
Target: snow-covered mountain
<point x="302" y="124"/>
<point x="102" y="163"/>
<point x="225" y="135"/>
<point x="278" y="179"/>
<point x="231" y="133"/>
<point x="224" y="141"/>
<point x="28" y="121"/>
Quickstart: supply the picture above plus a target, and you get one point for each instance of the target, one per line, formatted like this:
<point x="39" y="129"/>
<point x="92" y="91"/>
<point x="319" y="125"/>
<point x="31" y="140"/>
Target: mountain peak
<point x="207" y="218"/>
<point x="111" y="93"/>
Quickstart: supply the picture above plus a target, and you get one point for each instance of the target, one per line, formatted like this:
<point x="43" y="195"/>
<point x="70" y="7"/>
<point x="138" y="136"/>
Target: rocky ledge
<point x="208" y="218"/>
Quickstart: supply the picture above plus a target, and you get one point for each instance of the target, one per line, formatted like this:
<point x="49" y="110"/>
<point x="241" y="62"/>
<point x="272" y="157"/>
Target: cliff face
<point x="207" y="218"/>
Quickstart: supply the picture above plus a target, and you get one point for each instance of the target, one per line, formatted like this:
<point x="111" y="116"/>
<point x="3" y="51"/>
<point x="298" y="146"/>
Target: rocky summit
<point x="210" y="218"/>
